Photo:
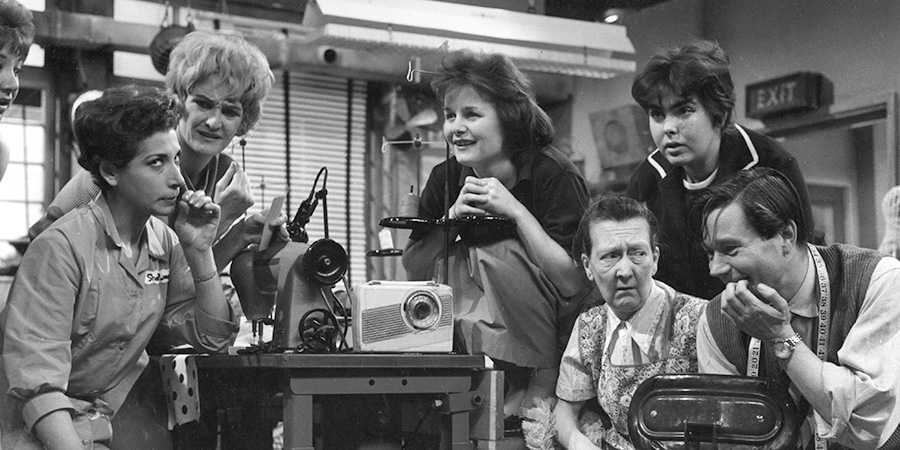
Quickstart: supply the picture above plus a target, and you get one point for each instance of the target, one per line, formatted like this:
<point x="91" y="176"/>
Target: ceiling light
<point x="613" y="15"/>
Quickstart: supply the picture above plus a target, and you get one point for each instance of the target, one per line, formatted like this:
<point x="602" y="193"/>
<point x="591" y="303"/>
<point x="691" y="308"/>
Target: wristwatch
<point x="784" y="348"/>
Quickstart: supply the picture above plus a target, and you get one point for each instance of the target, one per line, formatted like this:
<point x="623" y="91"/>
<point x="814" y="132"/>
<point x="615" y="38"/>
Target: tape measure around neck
<point x="822" y="332"/>
<point x="824" y="327"/>
<point x="824" y="311"/>
<point x="753" y="357"/>
<point x="824" y="324"/>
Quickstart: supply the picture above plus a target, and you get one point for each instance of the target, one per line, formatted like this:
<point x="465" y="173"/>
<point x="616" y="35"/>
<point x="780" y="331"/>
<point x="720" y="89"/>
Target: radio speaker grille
<point x="386" y="322"/>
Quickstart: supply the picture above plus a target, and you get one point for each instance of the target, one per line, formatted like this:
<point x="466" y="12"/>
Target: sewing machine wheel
<point x="318" y="329"/>
<point x="325" y="261"/>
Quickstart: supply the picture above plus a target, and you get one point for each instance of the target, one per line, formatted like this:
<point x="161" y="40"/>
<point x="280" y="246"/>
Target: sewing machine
<point x="296" y="279"/>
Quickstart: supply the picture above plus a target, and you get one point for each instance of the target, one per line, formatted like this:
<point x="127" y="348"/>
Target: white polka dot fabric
<point x="179" y="374"/>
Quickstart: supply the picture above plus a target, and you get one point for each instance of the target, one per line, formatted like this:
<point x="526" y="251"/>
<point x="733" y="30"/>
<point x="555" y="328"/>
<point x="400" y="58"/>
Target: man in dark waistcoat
<point x="825" y="321"/>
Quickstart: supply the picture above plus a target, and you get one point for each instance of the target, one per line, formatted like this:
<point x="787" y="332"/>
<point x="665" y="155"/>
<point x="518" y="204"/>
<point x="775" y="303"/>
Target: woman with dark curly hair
<point x="513" y="287"/>
<point x="94" y="287"/>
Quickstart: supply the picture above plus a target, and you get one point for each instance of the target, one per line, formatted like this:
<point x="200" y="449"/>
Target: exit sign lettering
<point x="798" y="92"/>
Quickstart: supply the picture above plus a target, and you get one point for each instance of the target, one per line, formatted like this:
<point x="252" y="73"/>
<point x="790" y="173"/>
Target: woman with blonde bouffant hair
<point x="222" y="80"/>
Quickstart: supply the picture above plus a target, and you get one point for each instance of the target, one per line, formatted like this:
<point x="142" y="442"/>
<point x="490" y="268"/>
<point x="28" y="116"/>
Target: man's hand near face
<point x="759" y="311"/>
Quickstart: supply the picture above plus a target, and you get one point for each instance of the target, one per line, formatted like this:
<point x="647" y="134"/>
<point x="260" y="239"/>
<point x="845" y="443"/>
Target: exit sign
<point x="797" y="92"/>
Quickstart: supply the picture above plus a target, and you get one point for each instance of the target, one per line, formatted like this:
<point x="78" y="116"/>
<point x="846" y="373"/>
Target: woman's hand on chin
<point x="197" y="220"/>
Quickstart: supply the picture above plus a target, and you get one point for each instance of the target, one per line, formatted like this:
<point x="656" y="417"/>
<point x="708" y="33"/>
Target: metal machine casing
<point x="288" y="276"/>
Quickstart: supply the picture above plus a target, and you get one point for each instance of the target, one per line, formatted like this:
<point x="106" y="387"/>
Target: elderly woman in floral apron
<point x="644" y="328"/>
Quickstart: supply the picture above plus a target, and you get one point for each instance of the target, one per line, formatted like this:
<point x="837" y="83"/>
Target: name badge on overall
<point x="156" y="277"/>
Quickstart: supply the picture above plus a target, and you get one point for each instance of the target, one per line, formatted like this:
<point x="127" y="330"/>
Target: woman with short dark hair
<point x="94" y="287"/>
<point x="689" y="97"/>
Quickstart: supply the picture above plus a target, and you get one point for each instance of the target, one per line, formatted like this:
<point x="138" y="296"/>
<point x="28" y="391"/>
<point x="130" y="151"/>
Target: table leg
<point x="298" y="421"/>
<point x="459" y="431"/>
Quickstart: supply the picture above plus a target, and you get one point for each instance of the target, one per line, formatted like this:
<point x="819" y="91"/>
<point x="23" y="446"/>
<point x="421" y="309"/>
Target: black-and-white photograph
<point x="449" y="224"/>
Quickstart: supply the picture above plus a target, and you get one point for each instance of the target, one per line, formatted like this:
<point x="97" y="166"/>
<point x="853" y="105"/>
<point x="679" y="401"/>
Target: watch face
<point x="782" y="350"/>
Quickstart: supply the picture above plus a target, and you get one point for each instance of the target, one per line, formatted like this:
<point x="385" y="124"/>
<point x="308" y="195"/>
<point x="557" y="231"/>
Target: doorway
<point x="848" y="161"/>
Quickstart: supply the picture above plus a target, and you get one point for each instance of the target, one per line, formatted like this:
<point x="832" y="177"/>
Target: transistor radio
<point x="403" y="316"/>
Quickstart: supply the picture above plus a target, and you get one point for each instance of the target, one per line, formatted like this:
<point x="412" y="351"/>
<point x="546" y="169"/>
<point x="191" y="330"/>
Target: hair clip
<point x="412" y="75"/>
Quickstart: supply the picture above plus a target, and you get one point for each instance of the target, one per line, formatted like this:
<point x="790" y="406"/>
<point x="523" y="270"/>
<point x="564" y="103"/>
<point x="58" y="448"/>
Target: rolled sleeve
<point x="575" y="382"/>
<point x="861" y="416"/>
<point x="859" y="412"/>
<point x="216" y="331"/>
<point x="35" y="408"/>
<point x="187" y="322"/>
